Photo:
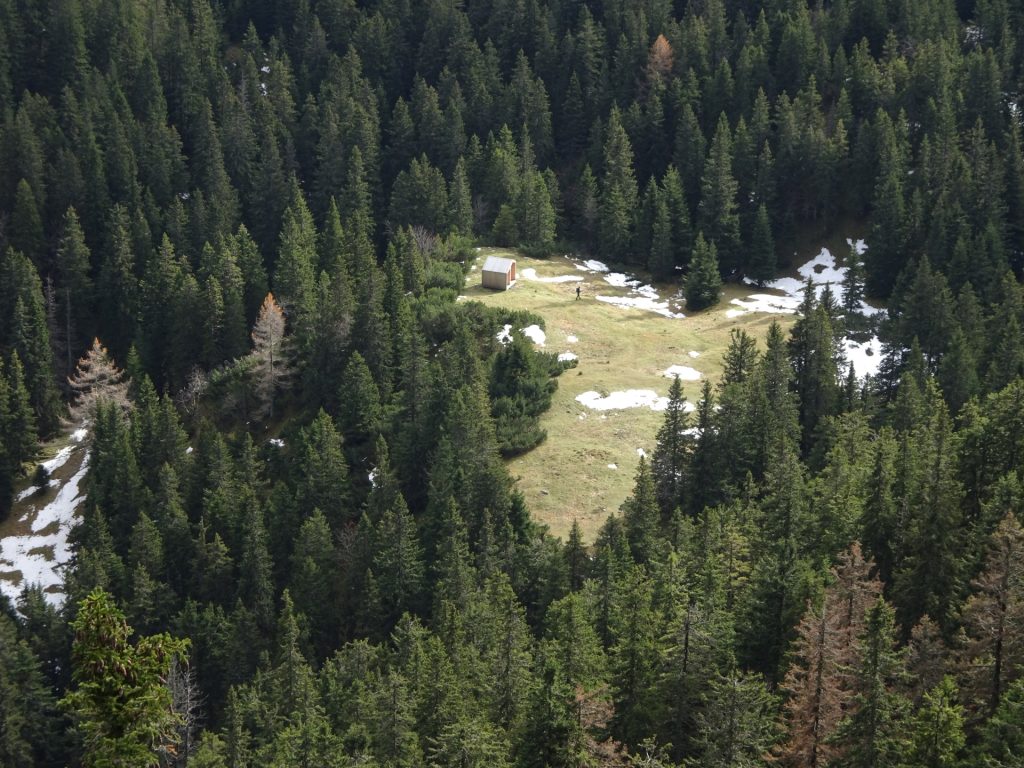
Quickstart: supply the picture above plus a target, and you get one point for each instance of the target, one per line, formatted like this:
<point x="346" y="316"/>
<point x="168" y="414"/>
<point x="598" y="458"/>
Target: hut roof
<point x="498" y="264"/>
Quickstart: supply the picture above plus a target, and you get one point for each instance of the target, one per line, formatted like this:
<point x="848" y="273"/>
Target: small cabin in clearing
<point x="498" y="273"/>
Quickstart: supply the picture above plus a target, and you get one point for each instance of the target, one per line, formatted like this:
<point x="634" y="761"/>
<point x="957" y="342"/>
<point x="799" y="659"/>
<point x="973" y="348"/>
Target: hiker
<point x="577" y="293"/>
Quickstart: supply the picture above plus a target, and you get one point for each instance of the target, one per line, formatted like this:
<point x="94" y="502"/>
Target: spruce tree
<point x="121" y="705"/>
<point x="872" y="734"/>
<point x="618" y="193"/>
<point x="671" y="458"/>
<point x="717" y="212"/>
<point x="762" y="264"/>
<point x="703" y="282"/>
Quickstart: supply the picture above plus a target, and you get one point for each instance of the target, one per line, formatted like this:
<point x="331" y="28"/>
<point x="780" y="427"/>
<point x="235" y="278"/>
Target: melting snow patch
<point x="277" y="442"/>
<point x="189" y="450"/>
<point x="694" y="354"/>
<point x="535" y="334"/>
<point x="641" y="453"/>
<point x="641" y="302"/>
<point x="41" y="558"/>
<point x="630" y="398"/>
<point x="567" y="357"/>
<point x="505" y="334"/>
<point x="372" y="477"/>
<point x="531" y="274"/>
<point x="592" y="265"/>
<point x="859" y="245"/>
<point x="571" y="339"/>
<point x="619" y="280"/>
<point x="763" y="302"/>
<point x="613" y="466"/>
<point x="821" y="270"/>
<point x="865" y="358"/>
<point x="59" y="460"/>
<point x="684" y="372"/>
<point x="79" y="434"/>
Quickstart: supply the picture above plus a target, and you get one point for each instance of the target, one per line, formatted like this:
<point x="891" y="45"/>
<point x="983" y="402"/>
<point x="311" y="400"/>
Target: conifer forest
<point x="235" y="243"/>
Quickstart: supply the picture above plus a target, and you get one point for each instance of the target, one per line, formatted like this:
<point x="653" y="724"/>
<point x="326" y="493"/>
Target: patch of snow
<point x="683" y="372"/>
<point x="535" y="334"/>
<point x="694" y="354"/>
<point x="189" y="450"/>
<point x="630" y="398"/>
<point x="277" y="442"/>
<point x="531" y="274"/>
<point x="763" y="302"/>
<point x="619" y="280"/>
<point x="643" y="303"/>
<point x="571" y="339"/>
<point x="32" y="489"/>
<point x="592" y="265"/>
<point x="59" y="460"/>
<point x="566" y="357"/>
<point x="372" y="477"/>
<point x="821" y="270"/>
<point x="866" y="358"/>
<point x="505" y="334"/>
<point x="79" y="434"/>
<point x="613" y="466"/>
<point x="41" y="557"/>
<point x="265" y="69"/>
<point x="641" y="453"/>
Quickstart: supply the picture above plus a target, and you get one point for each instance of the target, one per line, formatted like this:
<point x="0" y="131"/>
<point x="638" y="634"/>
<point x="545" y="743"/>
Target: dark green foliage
<point x="520" y="388"/>
<point x="120" y="704"/>
<point x="369" y="588"/>
<point x="703" y="281"/>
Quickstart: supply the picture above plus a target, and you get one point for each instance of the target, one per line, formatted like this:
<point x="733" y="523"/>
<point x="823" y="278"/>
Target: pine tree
<point x="398" y="563"/>
<point x="736" y="725"/>
<point x="31" y="735"/>
<point x="994" y="655"/>
<point x="633" y="659"/>
<point x="762" y="263"/>
<point x="671" y="458"/>
<point x="872" y="735"/>
<point x="1002" y="738"/>
<point x="20" y="432"/>
<point x="295" y="270"/>
<point x="97" y="379"/>
<point x="814" y="708"/>
<point x="937" y="732"/>
<point x="641" y="516"/>
<point x="717" y="212"/>
<point x="121" y="704"/>
<point x="853" y="287"/>
<point x="618" y="193"/>
<point x="23" y="328"/>
<point x="271" y="356"/>
<point x="703" y="282"/>
<point x="26" y="227"/>
<point x="322" y="474"/>
<point x="75" y="287"/>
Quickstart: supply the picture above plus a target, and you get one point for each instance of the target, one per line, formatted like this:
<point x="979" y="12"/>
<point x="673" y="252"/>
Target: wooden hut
<point x="498" y="273"/>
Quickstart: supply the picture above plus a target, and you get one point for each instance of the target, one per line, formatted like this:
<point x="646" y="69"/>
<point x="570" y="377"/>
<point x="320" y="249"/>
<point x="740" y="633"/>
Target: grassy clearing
<point x="568" y="476"/>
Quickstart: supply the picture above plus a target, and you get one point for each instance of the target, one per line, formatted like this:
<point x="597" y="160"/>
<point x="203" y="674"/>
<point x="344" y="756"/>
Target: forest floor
<point x="626" y="336"/>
